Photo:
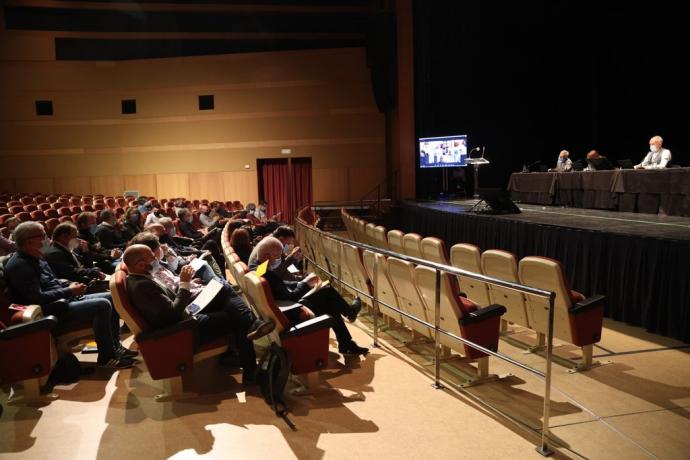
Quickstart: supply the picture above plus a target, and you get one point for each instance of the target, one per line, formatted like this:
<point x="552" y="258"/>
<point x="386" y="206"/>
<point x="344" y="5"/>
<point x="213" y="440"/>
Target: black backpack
<point x="67" y="370"/>
<point x="272" y="376"/>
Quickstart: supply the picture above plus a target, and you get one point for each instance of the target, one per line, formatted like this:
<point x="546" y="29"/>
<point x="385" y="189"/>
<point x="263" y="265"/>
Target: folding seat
<point x="238" y="205"/>
<point x="412" y="243"/>
<point x="87" y="208"/>
<point x="37" y="216"/>
<point x="401" y="276"/>
<point x="51" y="213"/>
<point x="503" y="265"/>
<point x="40" y="199"/>
<point x="434" y="250"/>
<point x="26" y="200"/>
<point x="27" y="355"/>
<point x="196" y="204"/>
<point x="331" y="251"/>
<point x="4" y="210"/>
<point x="23" y="216"/>
<point x="462" y="317"/>
<point x="376" y="267"/>
<point x="380" y="239"/>
<point x="5" y="231"/>
<point x="130" y="198"/>
<point x="75" y="209"/>
<point x="44" y="206"/>
<point x="370" y="234"/>
<point x="64" y="211"/>
<point x="354" y="273"/>
<point x="576" y="320"/>
<point x="50" y="224"/>
<point x="306" y="343"/>
<point x="395" y="241"/>
<point x="99" y="206"/>
<point x="467" y="257"/>
<point x="74" y="218"/>
<point x="74" y="201"/>
<point x="170" y="352"/>
<point x="316" y="246"/>
<point x="4" y="218"/>
<point x="63" y="202"/>
<point x="30" y="207"/>
<point x="15" y="203"/>
<point x="16" y="209"/>
<point x="119" y="212"/>
<point x="121" y="202"/>
<point x="65" y="219"/>
<point x="110" y="202"/>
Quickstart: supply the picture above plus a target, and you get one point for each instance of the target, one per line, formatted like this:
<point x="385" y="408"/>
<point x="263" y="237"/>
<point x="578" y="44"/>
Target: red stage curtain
<point x="302" y="187"/>
<point x="275" y="179"/>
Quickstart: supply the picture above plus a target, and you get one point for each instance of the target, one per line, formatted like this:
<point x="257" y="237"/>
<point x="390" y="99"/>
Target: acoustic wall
<point x="317" y="103"/>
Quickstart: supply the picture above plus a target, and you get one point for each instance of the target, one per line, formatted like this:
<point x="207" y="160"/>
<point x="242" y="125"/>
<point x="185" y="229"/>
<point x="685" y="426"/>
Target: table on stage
<point x="664" y="191"/>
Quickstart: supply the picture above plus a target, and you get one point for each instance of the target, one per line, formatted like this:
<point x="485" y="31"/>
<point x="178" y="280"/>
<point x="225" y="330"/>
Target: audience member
<point x="658" y="157"/>
<point x="107" y="232"/>
<point x="292" y="255"/>
<point x="161" y="307"/>
<point x="132" y="223"/>
<point x="32" y="281"/>
<point x="321" y="300"/>
<point x="597" y="162"/>
<point x="94" y="251"/>
<point x="241" y="242"/>
<point x="63" y="261"/>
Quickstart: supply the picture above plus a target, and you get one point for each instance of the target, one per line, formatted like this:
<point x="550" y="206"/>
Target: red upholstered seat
<point x="23" y="216"/>
<point x="30" y="207"/>
<point x="37" y="216"/>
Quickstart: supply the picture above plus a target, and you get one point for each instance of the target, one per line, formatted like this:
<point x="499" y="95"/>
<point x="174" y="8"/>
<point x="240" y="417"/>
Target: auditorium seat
<point x="376" y="267"/>
<point x="15" y="203"/>
<point x="434" y="250"/>
<point x="5" y="217"/>
<point x="380" y="239"/>
<point x="65" y="219"/>
<point x="467" y="257"/>
<point x="16" y="209"/>
<point x="44" y="206"/>
<point x="4" y="210"/>
<point x="30" y="207"/>
<point x="169" y="353"/>
<point x="75" y="201"/>
<point x="503" y="265"/>
<point x="50" y="225"/>
<point x="370" y="232"/>
<point x="26" y="200"/>
<point x="355" y="274"/>
<point x="576" y="320"/>
<point x="37" y="216"/>
<point x="23" y="216"/>
<point x="463" y="318"/>
<point x="395" y="241"/>
<point x="401" y="275"/>
<point x="412" y="243"/>
<point x="306" y="343"/>
<point x="51" y="213"/>
<point x="40" y="199"/>
<point x="332" y="252"/>
<point x="64" y="211"/>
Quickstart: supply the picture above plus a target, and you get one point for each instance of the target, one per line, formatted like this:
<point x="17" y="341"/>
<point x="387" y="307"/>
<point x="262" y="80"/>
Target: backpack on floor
<point x="67" y="370"/>
<point x="272" y="376"/>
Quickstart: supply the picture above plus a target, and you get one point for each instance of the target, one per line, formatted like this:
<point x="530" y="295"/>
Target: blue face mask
<point x="274" y="264"/>
<point x="93" y="229"/>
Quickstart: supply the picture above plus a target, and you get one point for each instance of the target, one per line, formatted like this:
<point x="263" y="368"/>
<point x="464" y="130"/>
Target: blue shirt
<point x="32" y="281"/>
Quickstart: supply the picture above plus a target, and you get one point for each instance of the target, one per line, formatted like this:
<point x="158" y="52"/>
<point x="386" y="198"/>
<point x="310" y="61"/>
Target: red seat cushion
<point x="576" y="297"/>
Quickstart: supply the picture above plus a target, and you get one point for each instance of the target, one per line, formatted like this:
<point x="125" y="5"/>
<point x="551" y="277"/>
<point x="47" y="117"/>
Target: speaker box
<point x="498" y="201"/>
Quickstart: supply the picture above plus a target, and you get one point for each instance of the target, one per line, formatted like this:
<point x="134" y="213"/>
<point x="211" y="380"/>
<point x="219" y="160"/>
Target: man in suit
<point x="324" y="301"/>
<point x="107" y="232"/>
<point x="597" y="162"/>
<point x="94" y="252"/>
<point x="161" y="307"/>
<point x="63" y="262"/>
<point x="658" y="157"/>
<point x="32" y="281"/>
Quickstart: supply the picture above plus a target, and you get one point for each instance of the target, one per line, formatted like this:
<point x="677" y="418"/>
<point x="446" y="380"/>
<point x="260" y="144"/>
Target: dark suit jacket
<point x="109" y="238"/>
<point x="189" y="231"/>
<point x="32" y="281"/>
<point x="159" y="306"/>
<point x="286" y="290"/>
<point x="67" y="266"/>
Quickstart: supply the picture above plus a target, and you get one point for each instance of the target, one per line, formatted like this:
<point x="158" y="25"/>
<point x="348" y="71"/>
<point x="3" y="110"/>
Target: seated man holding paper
<point x="318" y="297"/>
<point x="291" y="258"/>
<point x="218" y="311"/>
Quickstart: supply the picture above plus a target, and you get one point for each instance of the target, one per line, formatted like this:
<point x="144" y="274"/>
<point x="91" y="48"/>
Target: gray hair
<point x="165" y="221"/>
<point x="26" y="231"/>
<point x="267" y="244"/>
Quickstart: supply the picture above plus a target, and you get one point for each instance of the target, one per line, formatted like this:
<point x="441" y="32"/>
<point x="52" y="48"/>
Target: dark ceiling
<point x="112" y="30"/>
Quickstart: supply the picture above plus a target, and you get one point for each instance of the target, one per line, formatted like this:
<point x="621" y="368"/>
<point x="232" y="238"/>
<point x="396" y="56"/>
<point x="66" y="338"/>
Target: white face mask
<point x="45" y="244"/>
<point x="653" y="148"/>
<point x="274" y="264"/>
<point x="286" y="248"/>
<point x="73" y="244"/>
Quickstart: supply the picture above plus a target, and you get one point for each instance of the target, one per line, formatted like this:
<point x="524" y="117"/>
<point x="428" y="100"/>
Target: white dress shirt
<point x="656" y="160"/>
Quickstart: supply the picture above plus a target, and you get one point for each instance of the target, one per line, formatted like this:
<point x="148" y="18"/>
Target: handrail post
<point x="437" y="335"/>
<point x="375" y="302"/>
<point x="544" y="448"/>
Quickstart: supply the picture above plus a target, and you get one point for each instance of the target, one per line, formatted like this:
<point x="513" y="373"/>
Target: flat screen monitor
<point x="443" y="152"/>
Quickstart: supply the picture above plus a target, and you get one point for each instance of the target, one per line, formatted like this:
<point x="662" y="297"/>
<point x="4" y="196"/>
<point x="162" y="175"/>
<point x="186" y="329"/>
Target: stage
<point x="640" y="262"/>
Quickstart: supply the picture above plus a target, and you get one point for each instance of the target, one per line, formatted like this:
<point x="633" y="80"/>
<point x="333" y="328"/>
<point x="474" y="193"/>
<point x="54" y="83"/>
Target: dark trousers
<point x="327" y="301"/>
<point x="228" y="314"/>
<point x="97" y="308"/>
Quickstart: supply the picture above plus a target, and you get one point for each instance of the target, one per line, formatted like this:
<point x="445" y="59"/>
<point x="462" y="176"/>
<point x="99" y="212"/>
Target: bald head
<point x="138" y="258"/>
<point x="269" y="248"/>
<point x="157" y="229"/>
<point x="593" y="154"/>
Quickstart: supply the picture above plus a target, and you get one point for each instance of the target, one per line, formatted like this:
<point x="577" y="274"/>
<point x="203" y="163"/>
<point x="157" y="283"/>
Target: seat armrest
<point x="481" y="314"/>
<point x="56" y="308"/>
<point x="309" y="326"/>
<point x="18" y="330"/>
<point x="588" y="304"/>
<point x="187" y="324"/>
<point x="285" y="307"/>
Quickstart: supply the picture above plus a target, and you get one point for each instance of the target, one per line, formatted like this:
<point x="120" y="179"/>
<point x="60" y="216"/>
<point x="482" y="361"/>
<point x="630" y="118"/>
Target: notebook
<point x="205" y="297"/>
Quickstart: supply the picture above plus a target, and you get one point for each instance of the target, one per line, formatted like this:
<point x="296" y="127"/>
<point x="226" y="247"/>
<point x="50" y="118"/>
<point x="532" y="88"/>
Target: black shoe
<point x="117" y="363"/>
<point x="352" y="349"/>
<point x="123" y="352"/>
<point x="261" y="328"/>
<point x="355" y="307"/>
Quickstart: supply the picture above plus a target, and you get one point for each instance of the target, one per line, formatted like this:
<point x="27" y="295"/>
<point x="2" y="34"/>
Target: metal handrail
<point x="543" y="448"/>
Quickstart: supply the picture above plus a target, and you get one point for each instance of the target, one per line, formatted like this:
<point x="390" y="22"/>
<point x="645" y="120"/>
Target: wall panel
<point x="30" y="185"/>
<point x="144" y="183"/>
<point x="241" y="185"/>
<point x="73" y="185"/>
<point x="330" y="184"/>
<point x="172" y="185"/>
<point x="108" y="185"/>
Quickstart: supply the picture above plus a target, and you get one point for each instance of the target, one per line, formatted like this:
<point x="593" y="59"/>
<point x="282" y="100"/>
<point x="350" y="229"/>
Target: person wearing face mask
<point x="132" y="223"/>
<point x="324" y="301"/>
<point x="563" y="164"/>
<point x="32" y="281"/>
<point x="658" y="157"/>
<point x="63" y="261"/>
<point x="292" y="255"/>
<point x="153" y="216"/>
<point x="94" y="252"/>
<point x="161" y="306"/>
<point x="108" y="233"/>
<point x="7" y="245"/>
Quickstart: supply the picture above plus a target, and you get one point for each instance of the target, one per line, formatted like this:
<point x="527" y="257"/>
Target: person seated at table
<point x="658" y="157"/>
<point x="563" y="164"/>
<point x="597" y="162"/>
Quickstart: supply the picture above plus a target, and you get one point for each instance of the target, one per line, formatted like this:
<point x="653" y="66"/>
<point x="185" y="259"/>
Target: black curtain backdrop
<point x="645" y="279"/>
<point x="527" y="79"/>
